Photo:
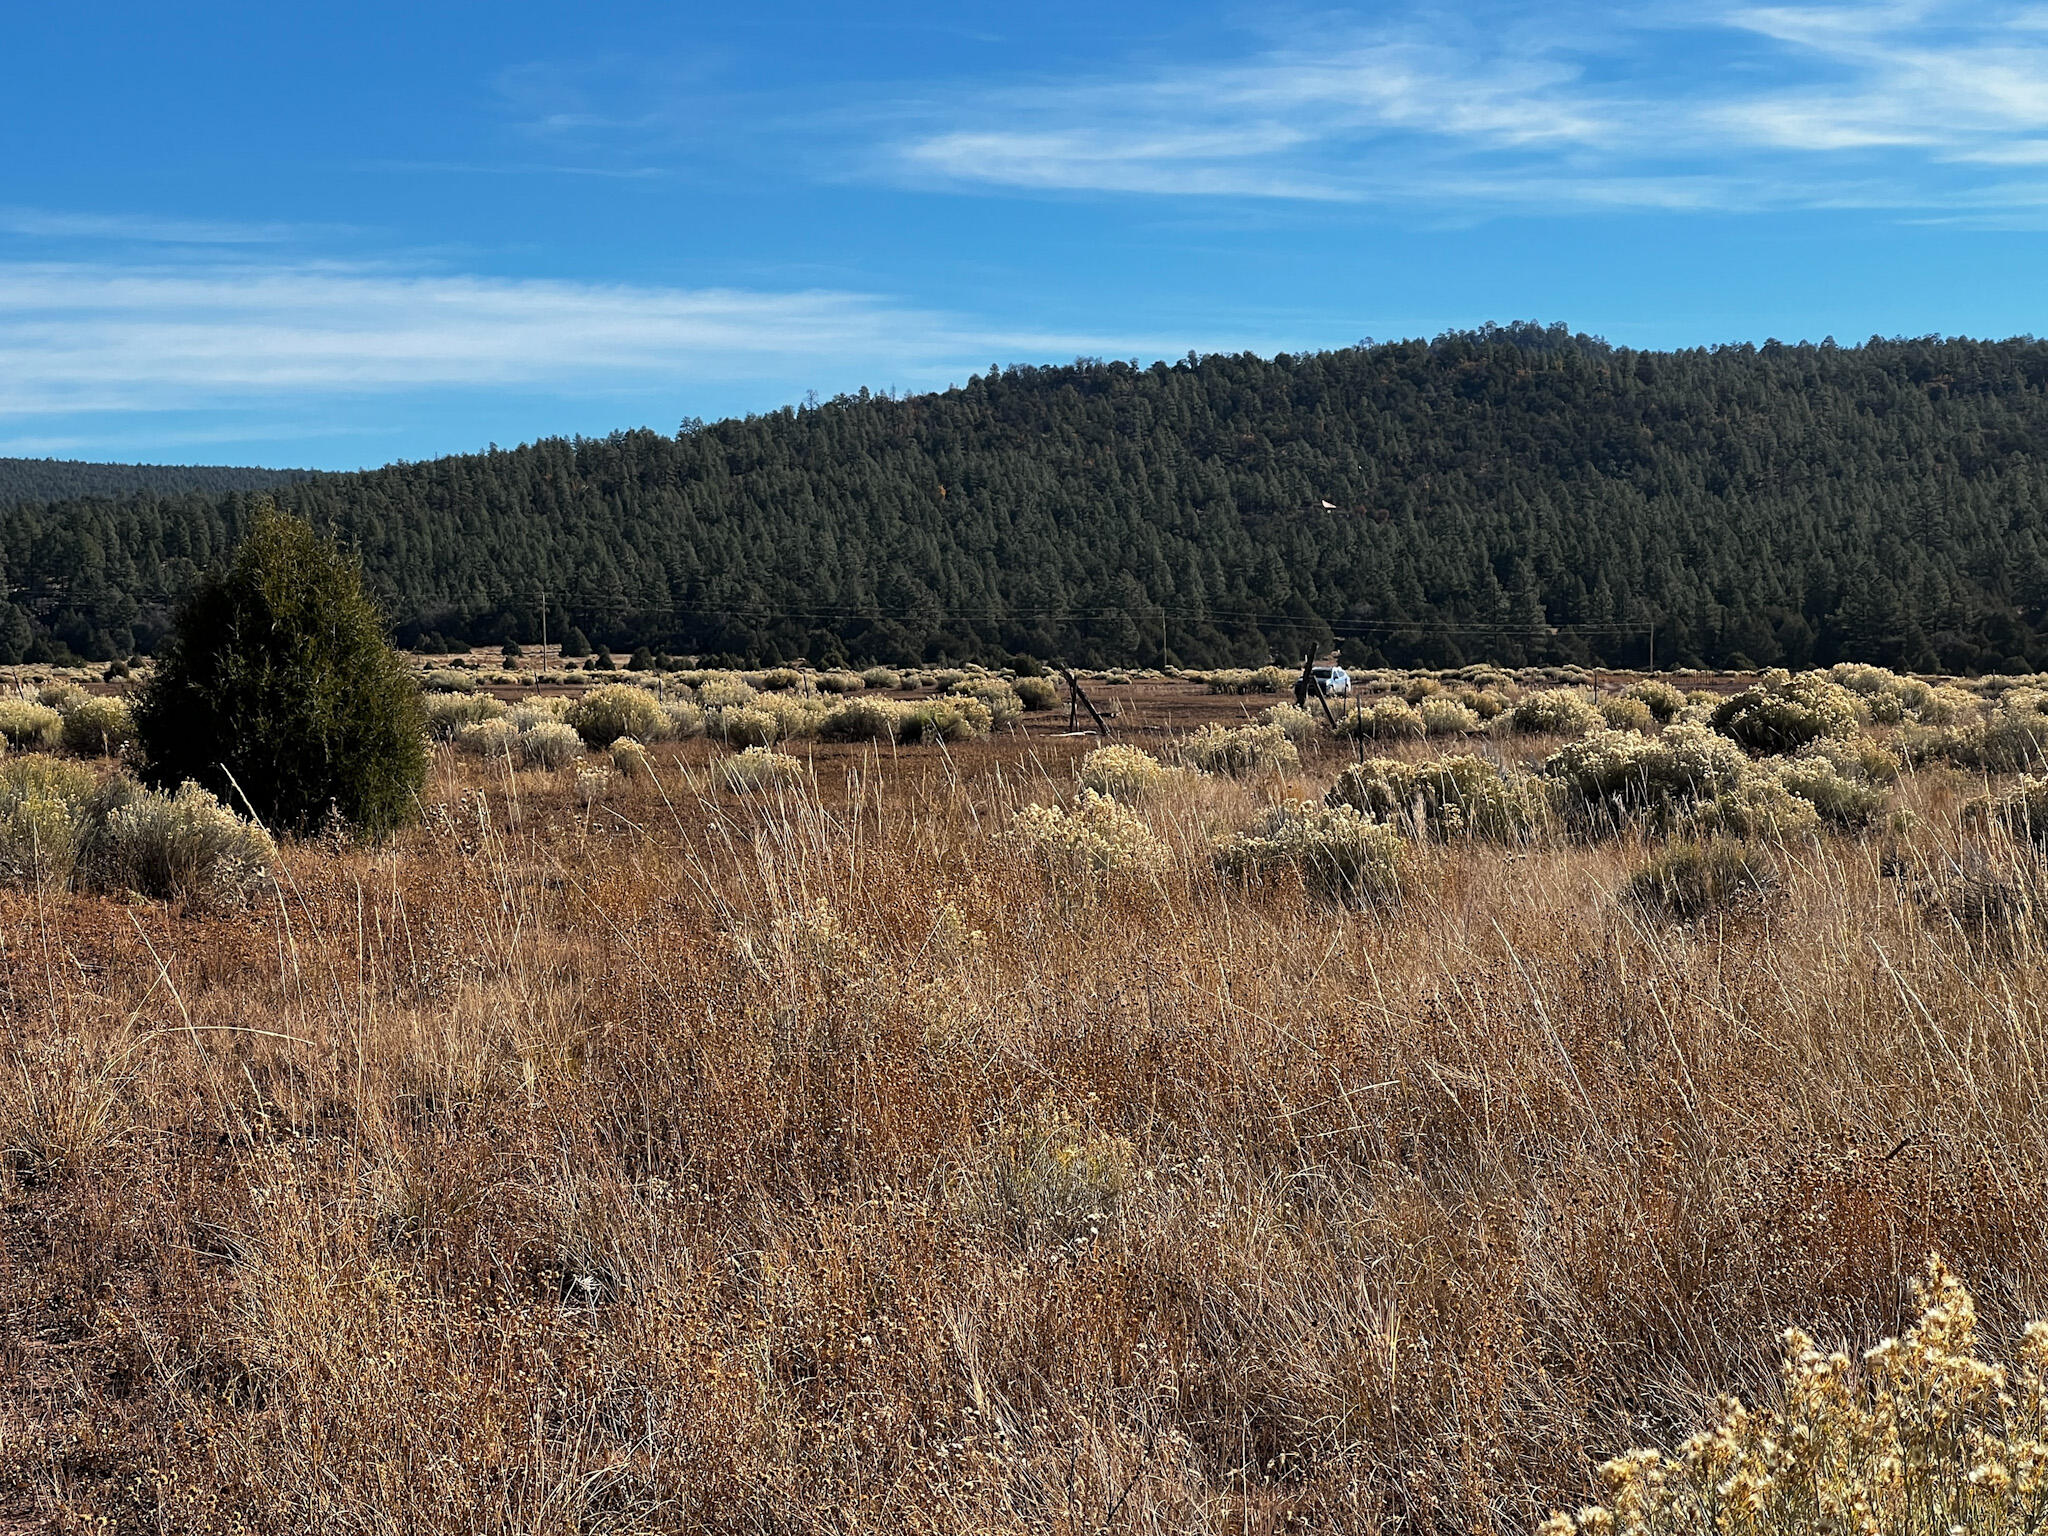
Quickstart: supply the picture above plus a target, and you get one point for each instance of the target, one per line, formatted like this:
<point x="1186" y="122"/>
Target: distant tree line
<point x="70" y="479"/>
<point x="1518" y="493"/>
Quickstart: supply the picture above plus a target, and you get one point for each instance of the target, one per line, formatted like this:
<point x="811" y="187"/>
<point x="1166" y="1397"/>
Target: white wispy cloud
<point x="99" y="336"/>
<point x="1879" y="105"/>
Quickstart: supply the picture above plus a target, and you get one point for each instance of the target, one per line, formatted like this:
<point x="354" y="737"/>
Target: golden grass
<point x="805" y="1160"/>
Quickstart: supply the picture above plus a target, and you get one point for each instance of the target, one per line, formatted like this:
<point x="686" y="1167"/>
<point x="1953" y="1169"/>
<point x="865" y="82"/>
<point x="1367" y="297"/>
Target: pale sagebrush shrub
<point x="722" y="690"/>
<point x="1298" y="725"/>
<point x="185" y="847"/>
<point x="1419" y="688"/>
<point x="862" y="719"/>
<point x="1126" y="773"/>
<point x="493" y="740"/>
<point x="1760" y="807"/>
<point x="931" y="721"/>
<point x="1553" y="712"/>
<point x="1659" y="697"/>
<point x="1005" y="706"/>
<point x="2021" y="811"/>
<point x="448" y="680"/>
<point x="448" y="714"/>
<point x="60" y="694"/>
<point x="1234" y="680"/>
<point x="528" y="713"/>
<point x="1488" y="704"/>
<point x="1096" y="841"/>
<point x="98" y="727"/>
<point x="888" y="679"/>
<point x="1691" y="880"/>
<point x="797" y="717"/>
<point x="685" y="719"/>
<point x="1784" y="712"/>
<point x="1038" y="692"/>
<point x="630" y="760"/>
<point x="29" y="726"/>
<point x="1447" y="797"/>
<point x="1842" y="800"/>
<point x="1627" y="774"/>
<point x="840" y="682"/>
<point x="1447" y="717"/>
<point x="593" y="783"/>
<point x="1383" y="720"/>
<point x="1239" y="751"/>
<point x="944" y="679"/>
<point x="2012" y="737"/>
<point x="780" y="679"/>
<point x="1338" y="853"/>
<point x="606" y="713"/>
<point x="1923" y="1436"/>
<point x="1274" y="679"/>
<point x="1860" y="758"/>
<point x="1627" y="714"/>
<point x="549" y="744"/>
<point x="743" y="725"/>
<point x="47" y="814"/>
<point x="759" y="768"/>
<point x="1050" y="1178"/>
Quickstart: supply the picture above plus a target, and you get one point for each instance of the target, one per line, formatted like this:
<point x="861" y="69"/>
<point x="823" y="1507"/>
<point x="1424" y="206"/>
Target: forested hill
<point x="61" y="479"/>
<point x="1516" y="494"/>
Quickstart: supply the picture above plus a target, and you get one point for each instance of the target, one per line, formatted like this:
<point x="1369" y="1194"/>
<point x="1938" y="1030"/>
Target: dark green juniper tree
<point x="278" y="685"/>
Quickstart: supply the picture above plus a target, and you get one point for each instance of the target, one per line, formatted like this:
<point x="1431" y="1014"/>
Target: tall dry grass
<point x="802" y="1159"/>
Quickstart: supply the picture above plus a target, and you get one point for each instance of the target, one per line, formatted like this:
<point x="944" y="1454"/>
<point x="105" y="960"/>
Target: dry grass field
<point x="664" y="1151"/>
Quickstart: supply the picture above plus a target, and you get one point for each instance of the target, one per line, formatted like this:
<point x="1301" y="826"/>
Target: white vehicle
<point x="1335" y="680"/>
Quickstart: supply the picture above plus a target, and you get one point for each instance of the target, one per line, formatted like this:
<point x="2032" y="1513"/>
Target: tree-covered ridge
<point x="1522" y="494"/>
<point x="66" y="479"/>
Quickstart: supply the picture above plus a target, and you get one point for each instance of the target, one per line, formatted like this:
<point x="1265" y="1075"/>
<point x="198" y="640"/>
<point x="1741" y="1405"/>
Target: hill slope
<point x="59" y="479"/>
<point x="1521" y="494"/>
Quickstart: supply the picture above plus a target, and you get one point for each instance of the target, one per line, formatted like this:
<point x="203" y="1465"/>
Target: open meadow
<point x="751" y="1106"/>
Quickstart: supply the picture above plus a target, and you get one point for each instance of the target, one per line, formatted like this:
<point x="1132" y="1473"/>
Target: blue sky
<point x="330" y="235"/>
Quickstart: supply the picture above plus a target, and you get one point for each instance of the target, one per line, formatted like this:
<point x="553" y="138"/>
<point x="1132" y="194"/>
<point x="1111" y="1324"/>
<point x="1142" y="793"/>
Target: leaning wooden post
<point x="1076" y="696"/>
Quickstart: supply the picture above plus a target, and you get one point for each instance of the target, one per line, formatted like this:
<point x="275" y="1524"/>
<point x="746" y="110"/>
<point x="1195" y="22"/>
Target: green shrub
<point x="606" y="713"/>
<point x="1555" y="712"/>
<point x="1446" y="797"/>
<point x="1038" y="692"/>
<point x="1338" y="852"/>
<point x="1784" y="713"/>
<point x="278" y="685"/>
<point x="187" y="847"/>
<point x="30" y="727"/>
<point x="98" y="727"/>
<point x="886" y="679"/>
<point x="1126" y="773"/>
<point x="1691" y="880"/>
<point x="1239" y="751"/>
<point x="1383" y="720"/>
